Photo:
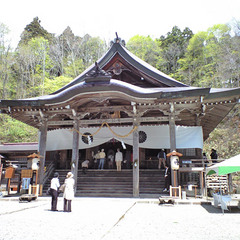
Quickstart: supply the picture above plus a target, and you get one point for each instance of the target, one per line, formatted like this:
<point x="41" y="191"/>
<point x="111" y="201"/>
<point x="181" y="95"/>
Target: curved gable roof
<point x="158" y="78"/>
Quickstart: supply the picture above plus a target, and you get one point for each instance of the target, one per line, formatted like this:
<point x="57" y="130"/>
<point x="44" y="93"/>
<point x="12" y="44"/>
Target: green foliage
<point x="6" y="62"/>
<point x="34" y="30"/>
<point x="43" y="63"/>
<point x="34" y="65"/>
<point x="145" y="48"/>
<point x="52" y="85"/>
<point x="12" y="130"/>
<point x="225" y="138"/>
<point x="173" y="47"/>
<point x="211" y="60"/>
<point x="92" y="48"/>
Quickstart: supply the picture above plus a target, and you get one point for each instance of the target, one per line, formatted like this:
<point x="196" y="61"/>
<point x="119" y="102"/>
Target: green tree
<point x="40" y="48"/>
<point x="34" y="30"/>
<point x="173" y="47"/>
<point x="205" y="56"/>
<point x="145" y="48"/>
<point x="70" y="47"/>
<point x="33" y="65"/>
<point x="6" y="61"/>
<point x="52" y="85"/>
<point x="12" y="130"/>
<point x="228" y="60"/>
<point x="194" y="60"/>
<point x="225" y="138"/>
<point x="91" y="49"/>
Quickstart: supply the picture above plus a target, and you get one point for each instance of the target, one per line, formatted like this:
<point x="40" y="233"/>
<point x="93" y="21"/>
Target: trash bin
<point x="184" y="195"/>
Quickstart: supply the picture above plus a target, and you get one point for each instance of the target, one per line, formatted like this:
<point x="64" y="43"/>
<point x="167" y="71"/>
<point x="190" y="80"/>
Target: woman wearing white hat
<point x="68" y="193"/>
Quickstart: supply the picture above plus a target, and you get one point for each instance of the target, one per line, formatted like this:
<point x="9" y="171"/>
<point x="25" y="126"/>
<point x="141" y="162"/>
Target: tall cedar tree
<point x="33" y="30"/>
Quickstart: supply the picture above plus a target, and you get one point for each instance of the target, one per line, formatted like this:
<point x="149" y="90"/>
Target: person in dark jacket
<point x="161" y="158"/>
<point x="167" y="177"/>
<point x="54" y="191"/>
<point x="213" y="154"/>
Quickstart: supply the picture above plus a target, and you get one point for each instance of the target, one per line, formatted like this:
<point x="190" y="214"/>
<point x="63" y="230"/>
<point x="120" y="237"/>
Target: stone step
<point x="110" y="183"/>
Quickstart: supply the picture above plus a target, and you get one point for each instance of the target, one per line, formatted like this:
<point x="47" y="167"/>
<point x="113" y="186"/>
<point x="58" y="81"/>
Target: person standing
<point x="54" y="191"/>
<point x="85" y="166"/>
<point x="68" y="193"/>
<point x="97" y="159"/>
<point x="110" y="161"/>
<point x="110" y="157"/>
<point x="166" y="178"/>
<point x="118" y="159"/>
<point x="161" y="158"/>
<point x="102" y="156"/>
<point x="213" y="154"/>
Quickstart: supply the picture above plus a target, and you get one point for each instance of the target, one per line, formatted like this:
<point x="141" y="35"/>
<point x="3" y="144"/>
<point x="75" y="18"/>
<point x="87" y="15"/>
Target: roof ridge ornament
<point x="97" y="75"/>
<point x="118" y="40"/>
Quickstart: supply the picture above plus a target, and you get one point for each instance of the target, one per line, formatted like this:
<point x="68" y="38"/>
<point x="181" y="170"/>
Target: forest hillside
<point x="44" y="62"/>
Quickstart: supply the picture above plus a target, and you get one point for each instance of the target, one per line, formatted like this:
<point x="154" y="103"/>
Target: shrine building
<point x="122" y="102"/>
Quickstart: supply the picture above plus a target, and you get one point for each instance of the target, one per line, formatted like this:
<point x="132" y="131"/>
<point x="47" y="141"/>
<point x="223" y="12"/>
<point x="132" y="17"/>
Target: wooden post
<point x="201" y="182"/>
<point x="135" y="159"/>
<point x="172" y="134"/>
<point x="1" y="167"/>
<point x="42" y="149"/>
<point x="230" y="185"/>
<point x="75" y="150"/>
<point x="8" y="186"/>
<point x="36" y="183"/>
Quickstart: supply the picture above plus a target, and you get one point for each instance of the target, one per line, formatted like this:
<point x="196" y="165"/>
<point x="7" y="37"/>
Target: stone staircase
<point x="110" y="183"/>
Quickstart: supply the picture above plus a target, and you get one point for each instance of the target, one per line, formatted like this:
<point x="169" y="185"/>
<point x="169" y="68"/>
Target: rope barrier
<point x="105" y="123"/>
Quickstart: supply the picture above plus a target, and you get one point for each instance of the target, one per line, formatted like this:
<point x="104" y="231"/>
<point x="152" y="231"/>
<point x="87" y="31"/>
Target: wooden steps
<point x="110" y="183"/>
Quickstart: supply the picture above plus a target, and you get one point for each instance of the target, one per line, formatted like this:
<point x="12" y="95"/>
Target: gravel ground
<point x="115" y="219"/>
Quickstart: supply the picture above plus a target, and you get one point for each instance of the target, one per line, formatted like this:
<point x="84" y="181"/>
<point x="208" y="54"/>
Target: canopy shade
<point x="228" y="166"/>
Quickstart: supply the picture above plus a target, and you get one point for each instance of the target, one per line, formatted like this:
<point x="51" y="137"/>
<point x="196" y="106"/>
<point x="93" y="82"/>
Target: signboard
<point x="10" y="171"/>
<point x="26" y="173"/>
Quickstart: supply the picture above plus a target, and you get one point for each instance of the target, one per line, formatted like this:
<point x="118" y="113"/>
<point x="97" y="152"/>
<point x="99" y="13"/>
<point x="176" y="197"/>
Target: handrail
<point x="183" y="163"/>
<point x="48" y="172"/>
<point x="199" y="162"/>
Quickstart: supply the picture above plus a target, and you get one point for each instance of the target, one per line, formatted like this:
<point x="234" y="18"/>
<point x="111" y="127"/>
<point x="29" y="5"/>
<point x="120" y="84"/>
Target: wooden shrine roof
<point x="117" y="89"/>
<point x="125" y="66"/>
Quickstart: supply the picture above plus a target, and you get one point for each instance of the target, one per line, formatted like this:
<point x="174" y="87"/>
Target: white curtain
<point x="152" y="137"/>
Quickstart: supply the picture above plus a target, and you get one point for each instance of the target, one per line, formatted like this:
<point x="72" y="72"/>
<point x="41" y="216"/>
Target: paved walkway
<point x="115" y="219"/>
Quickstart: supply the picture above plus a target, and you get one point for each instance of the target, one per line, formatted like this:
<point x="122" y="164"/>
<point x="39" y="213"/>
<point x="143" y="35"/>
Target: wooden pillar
<point x="230" y="183"/>
<point x="42" y="150"/>
<point x="173" y="146"/>
<point x="201" y="183"/>
<point x="75" y="150"/>
<point x="198" y="151"/>
<point x="136" y="162"/>
<point x="172" y="133"/>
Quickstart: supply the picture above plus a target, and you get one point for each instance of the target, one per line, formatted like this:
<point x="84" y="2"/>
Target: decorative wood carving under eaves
<point x="117" y="68"/>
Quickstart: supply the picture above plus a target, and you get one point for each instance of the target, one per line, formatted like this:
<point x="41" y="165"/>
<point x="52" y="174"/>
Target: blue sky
<point x="127" y="17"/>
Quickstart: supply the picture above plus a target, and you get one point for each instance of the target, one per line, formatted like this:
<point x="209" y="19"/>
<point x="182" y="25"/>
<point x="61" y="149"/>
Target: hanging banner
<point x="152" y="137"/>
